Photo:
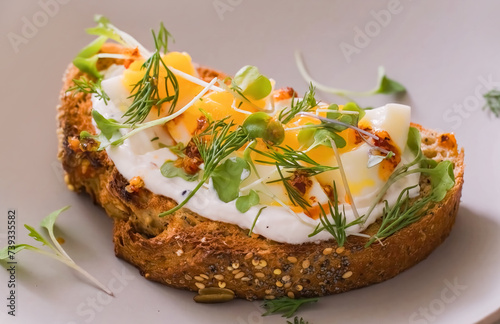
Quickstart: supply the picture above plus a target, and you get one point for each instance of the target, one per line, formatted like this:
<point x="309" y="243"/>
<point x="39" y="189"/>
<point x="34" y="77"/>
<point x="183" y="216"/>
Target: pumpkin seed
<point x="213" y="298"/>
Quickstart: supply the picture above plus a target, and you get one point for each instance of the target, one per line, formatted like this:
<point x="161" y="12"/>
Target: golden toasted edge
<point x="188" y="251"/>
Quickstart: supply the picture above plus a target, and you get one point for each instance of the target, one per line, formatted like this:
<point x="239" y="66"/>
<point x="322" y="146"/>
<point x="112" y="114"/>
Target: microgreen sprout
<point x="57" y="253"/>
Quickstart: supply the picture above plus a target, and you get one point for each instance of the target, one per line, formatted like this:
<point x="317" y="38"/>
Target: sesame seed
<point x="248" y="256"/>
<point x="255" y="262"/>
<point x="270" y="297"/>
<point x="236" y="271"/>
<point x="262" y="263"/>
<point x="291" y="295"/>
<point x="239" y="275"/>
<point x="222" y="284"/>
<point x="188" y="277"/>
<point x="340" y="250"/>
<point x="292" y="259"/>
<point x="230" y="268"/>
<point x="277" y="271"/>
<point x="327" y="251"/>
<point x="245" y="279"/>
<point x="179" y="252"/>
<point x="299" y="287"/>
<point x="199" y="285"/>
<point x="258" y="267"/>
<point x="236" y="265"/>
<point x="279" y="284"/>
<point x="219" y="277"/>
<point x="347" y="274"/>
<point x="168" y="281"/>
<point x="286" y="278"/>
<point x="306" y="264"/>
<point x="260" y="275"/>
<point x="269" y="291"/>
<point x="198" y="278"/>
<point x="288" y="285"/>
<point x="204" y="276"/>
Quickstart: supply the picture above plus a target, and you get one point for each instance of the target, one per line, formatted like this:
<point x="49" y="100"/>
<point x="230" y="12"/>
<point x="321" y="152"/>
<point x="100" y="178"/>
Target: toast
<point x="188" y="251"/>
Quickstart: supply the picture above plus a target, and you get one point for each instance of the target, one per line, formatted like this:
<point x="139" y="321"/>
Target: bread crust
<point x="186" y="250"/>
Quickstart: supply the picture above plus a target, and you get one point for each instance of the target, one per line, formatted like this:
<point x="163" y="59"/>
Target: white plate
<point x="446" y="54"/>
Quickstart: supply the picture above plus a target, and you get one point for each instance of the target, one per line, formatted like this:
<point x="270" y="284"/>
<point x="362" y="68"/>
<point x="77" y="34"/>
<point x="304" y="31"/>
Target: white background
<point x="441" y="51"/>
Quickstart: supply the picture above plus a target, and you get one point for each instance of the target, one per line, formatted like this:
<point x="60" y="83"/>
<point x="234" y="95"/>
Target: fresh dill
<point x="84" y="85"/>
<point x="284" y="157"/>
<point x="288" y="158"/>
<point x="296" y="198"/>
<point x="250" y="232"/>
<point x="286" y="306"/>
<point x="402" y="214"/>
<point x="492" y="101"/>
<point x="339" y="226"/>
<point x="306" y="104"/>
<point x="146" y="93"/>
<point x="214" y="144"/>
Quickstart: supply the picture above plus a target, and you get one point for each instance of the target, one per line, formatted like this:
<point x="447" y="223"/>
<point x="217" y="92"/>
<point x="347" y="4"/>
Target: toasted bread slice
<point x="186" y="250"/>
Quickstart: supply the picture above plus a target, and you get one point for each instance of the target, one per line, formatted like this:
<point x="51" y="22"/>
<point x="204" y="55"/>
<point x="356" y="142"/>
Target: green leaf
<point x="386" y="85"/>
<point x="261" y="125"/>
<point x="88" y="65"/>
<point x="306" y="136"/>
<point x="442" y="179"/>
<point x="252" y="83"/>
<point x="286" y="306"/>
<point x="105" y="29"/>
<point x="352" y="106"/>
<point x="169" y="170"/>
<point x="228" y="176"/>
<point x="37" y="236"/>
<point x="243" y="203"/>
<point x="323" y="136"/>
<point x="49" y="221"/>
<point x="92" y="48"/>
<point x="414" y="142"/>
<point x="108" y="127"/>
<point x="5" y="255"/>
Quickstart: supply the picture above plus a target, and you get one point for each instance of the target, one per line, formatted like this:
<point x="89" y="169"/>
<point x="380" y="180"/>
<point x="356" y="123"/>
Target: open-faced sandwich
<point x="226" y="182"/>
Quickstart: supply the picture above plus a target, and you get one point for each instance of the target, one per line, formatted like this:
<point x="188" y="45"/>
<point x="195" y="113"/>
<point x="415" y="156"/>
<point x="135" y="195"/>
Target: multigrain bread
<point x="186" y="250"/>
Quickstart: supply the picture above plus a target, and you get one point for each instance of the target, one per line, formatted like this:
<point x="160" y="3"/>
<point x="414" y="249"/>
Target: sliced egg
<point x="364" y="182"/>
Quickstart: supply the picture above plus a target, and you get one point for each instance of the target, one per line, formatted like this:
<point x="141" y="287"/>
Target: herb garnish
<point x="288" y="158"/>
<point x="214" y="144"/>
<point x="83" y="85"/>
<point x="291" y="160"/>
<point x="492" y="101"/>
<point x="145" y="93"/>
<point x="57" y="253"/>
<point x="339" y="226"/>
<point x="297" y="106"/>
<point x="255" y="220"/>
<point x="384" y="84"/>
<point x="400" y="215"/>
<point x="287" y="306"/>
<point x="441" y="174"/>
<point x="244" y="203"/>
